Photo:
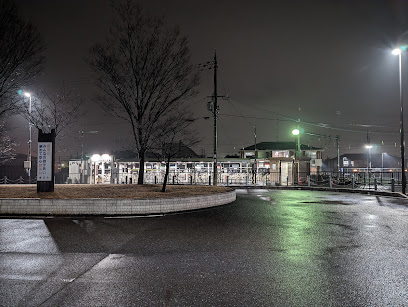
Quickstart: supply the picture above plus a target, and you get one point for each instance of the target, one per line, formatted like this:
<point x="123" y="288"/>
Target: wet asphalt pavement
<point x="267" y="248"/>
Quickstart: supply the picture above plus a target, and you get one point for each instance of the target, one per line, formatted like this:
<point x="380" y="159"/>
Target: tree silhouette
<point x="143" y="72"/>
<point x="21" y="47"/>
<point x="57" y="109"/>
<point x="173" y="135"/>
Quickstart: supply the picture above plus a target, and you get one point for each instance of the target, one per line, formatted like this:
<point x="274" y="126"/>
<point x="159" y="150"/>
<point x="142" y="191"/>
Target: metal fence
<point x="16" y="178"/>
<point x="381" y="181"/>
<point x="23" y="178"/>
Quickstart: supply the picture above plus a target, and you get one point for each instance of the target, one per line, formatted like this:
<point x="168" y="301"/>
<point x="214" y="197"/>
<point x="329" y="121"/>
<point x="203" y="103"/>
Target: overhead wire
<point x="319" y="125"/>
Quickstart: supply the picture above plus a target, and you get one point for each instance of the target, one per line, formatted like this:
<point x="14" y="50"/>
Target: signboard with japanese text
<point x="44" y="165"/>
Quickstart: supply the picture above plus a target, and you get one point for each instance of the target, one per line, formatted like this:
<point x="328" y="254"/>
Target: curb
<point x="112" y="206"/>
<point x="325" y="189"/>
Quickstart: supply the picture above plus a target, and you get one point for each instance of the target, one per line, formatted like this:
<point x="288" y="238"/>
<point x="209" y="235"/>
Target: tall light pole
<point x="29" y="140"/>
<point x="369" y="146"/>
<point x="382" y="164"/>
<point x="255" y="165"/>
<point x="398" y="51"/>
<point x="215" y="110"/>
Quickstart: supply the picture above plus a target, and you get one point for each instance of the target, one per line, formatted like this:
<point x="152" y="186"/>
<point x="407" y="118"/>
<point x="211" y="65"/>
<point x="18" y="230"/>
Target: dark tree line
<point x="142" y="70"/>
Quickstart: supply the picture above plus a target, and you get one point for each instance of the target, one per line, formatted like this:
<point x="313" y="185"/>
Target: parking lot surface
<point x="276" y="247"/>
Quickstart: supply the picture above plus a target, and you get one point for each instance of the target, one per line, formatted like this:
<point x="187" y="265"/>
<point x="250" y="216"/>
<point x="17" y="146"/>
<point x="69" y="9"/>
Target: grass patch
<point x="127" y="191"/>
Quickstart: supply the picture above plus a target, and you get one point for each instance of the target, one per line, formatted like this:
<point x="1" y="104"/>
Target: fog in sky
<point x="325" y="63"/>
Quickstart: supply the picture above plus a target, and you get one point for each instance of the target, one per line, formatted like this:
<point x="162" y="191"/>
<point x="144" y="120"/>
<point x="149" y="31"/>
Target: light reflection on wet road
<point x="275" y="247"/>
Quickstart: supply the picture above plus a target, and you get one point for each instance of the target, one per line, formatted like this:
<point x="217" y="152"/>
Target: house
<point x="286" y="165"/>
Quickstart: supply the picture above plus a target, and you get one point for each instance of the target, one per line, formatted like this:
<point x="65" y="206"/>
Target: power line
<point x="319" y="125"/>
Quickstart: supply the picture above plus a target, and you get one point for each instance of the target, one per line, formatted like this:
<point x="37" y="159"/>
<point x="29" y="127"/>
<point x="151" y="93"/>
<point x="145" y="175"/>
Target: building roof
<point x="279" y="146"/>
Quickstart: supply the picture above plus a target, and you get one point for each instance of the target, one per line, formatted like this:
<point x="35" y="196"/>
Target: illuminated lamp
<point x="96" y="158"/>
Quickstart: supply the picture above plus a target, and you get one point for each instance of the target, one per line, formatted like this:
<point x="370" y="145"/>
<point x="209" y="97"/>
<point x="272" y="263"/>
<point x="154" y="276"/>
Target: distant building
<point x="269" y="162"/>
<point x="358" y="161"/>
<point x="282" y="158"/>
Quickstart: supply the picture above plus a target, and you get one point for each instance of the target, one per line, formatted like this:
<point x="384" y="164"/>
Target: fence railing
<point x="381" y="181"/>
<point x="16" y="180"/>
<point x="23" y="178"/>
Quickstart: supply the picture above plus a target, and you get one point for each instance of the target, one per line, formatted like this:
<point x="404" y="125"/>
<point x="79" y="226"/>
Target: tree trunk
<point x="166" y="175"/>
<point x="140" y="179"/>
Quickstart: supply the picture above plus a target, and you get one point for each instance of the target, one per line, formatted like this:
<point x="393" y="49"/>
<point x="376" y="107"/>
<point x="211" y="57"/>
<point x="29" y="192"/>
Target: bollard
<point x="352" y="182"/>
<point x="246" y="180"/>
<point x="191" y="180"/>
<point x="330" y="181"/>
<point x="392" y="185"/>
<point x="209" y="180"/>
<point x="155" y="180"/>
<point x="287" y="181"/>
<point x="375" y="184"/>
<point x="308" y="181"/>
<point x="174" y="178"/>
<point x="227" y="180"/>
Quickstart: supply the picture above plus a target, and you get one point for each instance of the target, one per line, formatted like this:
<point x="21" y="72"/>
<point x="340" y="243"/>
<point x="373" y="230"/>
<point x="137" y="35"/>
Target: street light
<point x="29" y="140"/>
<point x="296" y="132"/>
<point x="398" y="51"/>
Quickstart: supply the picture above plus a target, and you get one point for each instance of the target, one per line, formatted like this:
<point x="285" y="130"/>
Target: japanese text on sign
<point x="44" y="165"/>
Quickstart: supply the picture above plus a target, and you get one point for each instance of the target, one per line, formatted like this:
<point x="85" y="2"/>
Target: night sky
<point x="327" y="63"/>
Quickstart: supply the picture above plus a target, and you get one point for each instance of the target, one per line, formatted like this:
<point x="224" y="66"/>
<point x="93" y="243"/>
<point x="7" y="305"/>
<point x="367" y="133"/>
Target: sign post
<point x="46" y="161"/>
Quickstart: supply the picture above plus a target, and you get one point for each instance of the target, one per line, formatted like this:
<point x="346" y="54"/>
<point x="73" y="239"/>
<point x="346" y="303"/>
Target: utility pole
<point x="338" y="153"/>
<point x="215" y="110"/>
<point x="256" y="165"/>
<point x="403" y="176"/>
<point x="29" y="141"/>
<point x="213" y="107"/>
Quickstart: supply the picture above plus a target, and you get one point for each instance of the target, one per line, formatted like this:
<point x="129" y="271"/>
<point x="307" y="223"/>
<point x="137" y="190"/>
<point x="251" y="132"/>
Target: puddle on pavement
<point x="326" y="202"/>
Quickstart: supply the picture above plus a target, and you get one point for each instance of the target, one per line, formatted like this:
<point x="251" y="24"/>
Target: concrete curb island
<point x="111" y="206"/>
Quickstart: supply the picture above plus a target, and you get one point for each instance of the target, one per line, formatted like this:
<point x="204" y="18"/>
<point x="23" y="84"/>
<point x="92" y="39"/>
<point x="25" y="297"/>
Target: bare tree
<point x="7" y="146"/>
<point x="143" y="72"/>
<point x="20" y="55"/>
<point x="172" y="136"/>
<point x="55" y="109"/>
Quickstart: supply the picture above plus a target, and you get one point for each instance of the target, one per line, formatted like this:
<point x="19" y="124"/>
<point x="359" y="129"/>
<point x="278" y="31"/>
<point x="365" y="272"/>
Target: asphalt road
<point x="267" y="248"/>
